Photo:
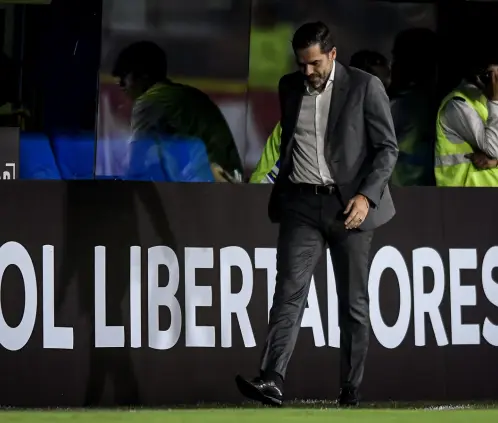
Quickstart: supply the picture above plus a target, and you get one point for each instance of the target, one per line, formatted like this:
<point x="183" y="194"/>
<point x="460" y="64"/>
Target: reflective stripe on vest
<point x="272" y="175"/>
<point x="451" y="160"/>
<point x="452" y="168"/>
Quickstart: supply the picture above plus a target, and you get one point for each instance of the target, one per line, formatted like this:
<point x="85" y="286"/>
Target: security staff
<point x="467" y="129"/>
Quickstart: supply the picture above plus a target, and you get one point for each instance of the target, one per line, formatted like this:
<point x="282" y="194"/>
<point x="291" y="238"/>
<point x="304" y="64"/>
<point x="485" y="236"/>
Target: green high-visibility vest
<point x="267" y="168"/>
<point x="452" y="169"/>
<point x="409" y="169"/>
<point x="413" y="130"/>
<point x="270" y="55"/>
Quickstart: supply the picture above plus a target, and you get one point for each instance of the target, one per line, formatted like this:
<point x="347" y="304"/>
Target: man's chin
<point x="315" y="84"/>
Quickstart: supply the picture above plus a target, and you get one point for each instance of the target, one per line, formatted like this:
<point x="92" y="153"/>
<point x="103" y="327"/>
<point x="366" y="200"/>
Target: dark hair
<point x="366" y="59"/>
<point x="479" y="59"/>
<point x="142" y="58"/>
<point x="313" y="33"/>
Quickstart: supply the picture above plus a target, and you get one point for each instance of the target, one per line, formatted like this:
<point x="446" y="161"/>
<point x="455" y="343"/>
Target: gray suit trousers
<point x="309" y="222"/>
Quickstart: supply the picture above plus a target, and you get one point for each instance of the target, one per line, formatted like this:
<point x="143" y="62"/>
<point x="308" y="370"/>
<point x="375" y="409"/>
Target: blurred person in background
<point x="467" y="126"/>
<point x="373" y="63"/>
<point x="414" y="105"/>
<point x="164" y="108"/>
<point x="267" y="168"/>
<point x="270" y="57"/>
<point x="270" y="53"/>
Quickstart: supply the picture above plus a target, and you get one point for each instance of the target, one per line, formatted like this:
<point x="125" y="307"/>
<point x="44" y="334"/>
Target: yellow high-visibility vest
<point x="452" y="168"/>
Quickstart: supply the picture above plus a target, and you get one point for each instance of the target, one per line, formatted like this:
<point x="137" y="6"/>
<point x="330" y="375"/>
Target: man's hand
<point x="481" y="161"/>
<point x="491" y="84"/>
<point x="357" y="209"/>
<point x="220" y="175"/>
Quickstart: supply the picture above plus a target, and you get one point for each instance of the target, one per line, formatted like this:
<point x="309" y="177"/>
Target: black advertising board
<point x="117" y="293"/>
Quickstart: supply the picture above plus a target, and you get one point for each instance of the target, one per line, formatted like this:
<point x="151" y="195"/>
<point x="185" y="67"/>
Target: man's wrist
<point x="367" y="201"/>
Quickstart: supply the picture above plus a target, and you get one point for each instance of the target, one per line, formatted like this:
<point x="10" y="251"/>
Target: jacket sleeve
<point x="269" y="157"/>
<point x="274" y="203"/>
<point x="382" y="137"/>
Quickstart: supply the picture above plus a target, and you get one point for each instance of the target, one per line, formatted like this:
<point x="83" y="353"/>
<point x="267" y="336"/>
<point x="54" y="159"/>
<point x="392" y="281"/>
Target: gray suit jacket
<point x="360" y="146"/>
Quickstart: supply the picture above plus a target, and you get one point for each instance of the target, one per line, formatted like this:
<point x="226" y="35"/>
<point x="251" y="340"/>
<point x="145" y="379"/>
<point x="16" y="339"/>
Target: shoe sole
<point x="249" y="391"/>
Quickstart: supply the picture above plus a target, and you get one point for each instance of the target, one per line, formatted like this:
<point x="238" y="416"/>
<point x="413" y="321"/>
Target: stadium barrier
<point x="116" y="293"/>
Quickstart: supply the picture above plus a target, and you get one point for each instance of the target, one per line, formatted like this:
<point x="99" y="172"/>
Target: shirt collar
<point x="311" y="90"/>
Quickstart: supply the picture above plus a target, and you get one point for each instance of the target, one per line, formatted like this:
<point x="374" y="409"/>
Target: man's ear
<point x="333" y="54"/>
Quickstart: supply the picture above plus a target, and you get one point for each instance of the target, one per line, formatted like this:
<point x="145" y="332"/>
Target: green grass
<point x="256" y="415"/>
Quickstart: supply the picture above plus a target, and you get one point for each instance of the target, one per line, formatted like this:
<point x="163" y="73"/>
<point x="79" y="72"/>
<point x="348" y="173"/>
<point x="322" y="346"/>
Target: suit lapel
<point x="295" y="99"/>
<point x="340" y="92"/>
<point x="295" y="104"/>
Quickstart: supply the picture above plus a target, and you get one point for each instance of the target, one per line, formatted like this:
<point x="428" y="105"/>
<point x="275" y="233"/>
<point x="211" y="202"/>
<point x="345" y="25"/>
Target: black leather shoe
<point x="348" y="397"/>
<point x="266" y="392"/>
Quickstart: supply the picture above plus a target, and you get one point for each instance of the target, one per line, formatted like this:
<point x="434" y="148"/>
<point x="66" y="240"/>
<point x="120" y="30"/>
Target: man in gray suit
<point x="338" y="150"/>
